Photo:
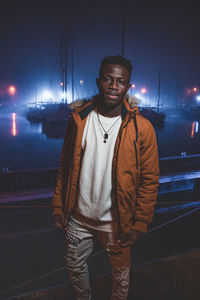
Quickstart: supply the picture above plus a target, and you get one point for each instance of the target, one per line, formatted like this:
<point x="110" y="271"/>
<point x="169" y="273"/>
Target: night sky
<point x="159" y="37"/>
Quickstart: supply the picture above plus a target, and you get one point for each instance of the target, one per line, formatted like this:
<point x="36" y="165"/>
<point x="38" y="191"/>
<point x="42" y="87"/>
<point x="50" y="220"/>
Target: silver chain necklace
<point x="105" y="136"/>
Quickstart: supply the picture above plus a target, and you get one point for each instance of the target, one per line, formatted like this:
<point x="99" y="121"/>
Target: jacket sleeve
<point x="147" y="190"/>
<point x="58" y="202"/>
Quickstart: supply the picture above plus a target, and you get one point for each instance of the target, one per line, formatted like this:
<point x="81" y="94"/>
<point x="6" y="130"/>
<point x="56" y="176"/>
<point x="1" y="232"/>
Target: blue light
<point x="47" y="95"/>
<point x="196" y="126"/>
<point x="198" y="98"/>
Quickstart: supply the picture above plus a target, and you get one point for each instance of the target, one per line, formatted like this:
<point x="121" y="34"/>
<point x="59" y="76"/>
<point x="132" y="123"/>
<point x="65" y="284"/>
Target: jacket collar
<point x="83" y="107"/>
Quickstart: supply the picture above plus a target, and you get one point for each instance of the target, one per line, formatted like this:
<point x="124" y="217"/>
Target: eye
<point x="122" y="82"/>
<point x="107" y="79"/>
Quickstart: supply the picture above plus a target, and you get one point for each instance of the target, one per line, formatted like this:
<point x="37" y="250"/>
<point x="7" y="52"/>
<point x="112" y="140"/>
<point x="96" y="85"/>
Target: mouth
<point x="112" y="96"/>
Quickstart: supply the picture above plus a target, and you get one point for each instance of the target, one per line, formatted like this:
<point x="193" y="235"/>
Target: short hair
<point x="115" y="60"/>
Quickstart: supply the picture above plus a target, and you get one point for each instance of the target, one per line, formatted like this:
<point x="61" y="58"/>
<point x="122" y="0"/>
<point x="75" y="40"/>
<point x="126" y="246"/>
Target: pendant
<point x="105" y="137"/>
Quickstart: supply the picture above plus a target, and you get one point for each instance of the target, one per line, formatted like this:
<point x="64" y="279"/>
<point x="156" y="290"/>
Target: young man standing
<point x="108" y="178"/>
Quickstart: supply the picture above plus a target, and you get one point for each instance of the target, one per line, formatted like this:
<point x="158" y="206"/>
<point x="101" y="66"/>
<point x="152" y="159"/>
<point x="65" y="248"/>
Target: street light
<point x="143" y="90"/>
<point x="195" y="89"/>
<point x="12" y="90"/>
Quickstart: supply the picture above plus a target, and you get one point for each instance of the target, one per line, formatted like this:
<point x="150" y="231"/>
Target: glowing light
<point x="81" y="82"/>
<point x="138" y="96"/>
<point x="143" y="90"/>
<point x="12" y="90"/>
<point x="14" y="128"/>
<point x="192" y="132"/>
<point x="196" y="126"/>
<point x="133" y="85"/>
<point x="47" y="95"/>
<point x="61" y="83"/>
<point x="195" y="89"/>
<point x="198" y="98"/>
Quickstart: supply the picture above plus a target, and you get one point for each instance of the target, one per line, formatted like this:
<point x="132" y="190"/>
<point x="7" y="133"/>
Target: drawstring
<point x="136" y="155"/>
<point x="136" y="129"/>
<point x="135" y="122"/>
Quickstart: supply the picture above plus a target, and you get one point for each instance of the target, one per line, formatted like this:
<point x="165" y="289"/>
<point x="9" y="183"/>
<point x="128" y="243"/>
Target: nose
<point x="114" y="85"/>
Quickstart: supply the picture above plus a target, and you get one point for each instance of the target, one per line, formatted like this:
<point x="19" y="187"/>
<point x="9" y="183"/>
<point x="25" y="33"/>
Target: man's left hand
<point x="130" y="238"/>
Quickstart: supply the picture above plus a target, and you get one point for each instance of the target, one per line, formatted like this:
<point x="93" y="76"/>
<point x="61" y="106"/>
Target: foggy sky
<point x="159" y="37"/>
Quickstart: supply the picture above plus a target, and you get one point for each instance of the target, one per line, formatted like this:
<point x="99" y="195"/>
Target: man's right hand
<point x="59" y="221"/>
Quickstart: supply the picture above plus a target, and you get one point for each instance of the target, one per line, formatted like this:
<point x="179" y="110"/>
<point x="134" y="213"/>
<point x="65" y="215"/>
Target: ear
<point x="128" y="87"/>
<point x="98" y="82"/>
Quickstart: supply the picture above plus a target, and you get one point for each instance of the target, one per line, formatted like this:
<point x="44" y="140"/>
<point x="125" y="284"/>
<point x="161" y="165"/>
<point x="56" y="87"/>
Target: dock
<point x="165" y="260"/>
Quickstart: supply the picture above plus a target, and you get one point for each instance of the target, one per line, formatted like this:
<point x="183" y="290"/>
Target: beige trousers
<point x="79" y="242"/>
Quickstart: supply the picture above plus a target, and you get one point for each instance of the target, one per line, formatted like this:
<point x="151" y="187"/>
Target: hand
<point x="130" y="238"/>
<point x="59" y="221"/>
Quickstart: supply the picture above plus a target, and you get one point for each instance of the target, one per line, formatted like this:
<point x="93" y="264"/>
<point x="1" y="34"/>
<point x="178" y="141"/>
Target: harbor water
<point x="26" y="145"/>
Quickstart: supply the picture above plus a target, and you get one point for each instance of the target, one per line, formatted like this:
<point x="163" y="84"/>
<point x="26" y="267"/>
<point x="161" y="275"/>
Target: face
<point x="113" y="84"/>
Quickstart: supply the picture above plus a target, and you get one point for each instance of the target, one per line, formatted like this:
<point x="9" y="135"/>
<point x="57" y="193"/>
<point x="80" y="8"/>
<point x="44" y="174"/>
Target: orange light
<point x="195" y="89"/>
<point x="192" y="132"/>
<point x="143" y="91"/>
<point x="12" y="90"/>
<point x="14" y="129"/>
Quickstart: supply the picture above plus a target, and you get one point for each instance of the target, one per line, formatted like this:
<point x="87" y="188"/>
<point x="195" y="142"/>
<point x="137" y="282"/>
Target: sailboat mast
<point x="65" y="67"/>
<point x="158" y="104"/>
<point x="123" y="33"/>
<point x="72" y="48"/>
<point x="63" y="63"/>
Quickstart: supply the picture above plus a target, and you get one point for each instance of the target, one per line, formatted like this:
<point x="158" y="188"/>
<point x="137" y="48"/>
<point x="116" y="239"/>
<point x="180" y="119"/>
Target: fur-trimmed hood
<point x="132" y="101"/>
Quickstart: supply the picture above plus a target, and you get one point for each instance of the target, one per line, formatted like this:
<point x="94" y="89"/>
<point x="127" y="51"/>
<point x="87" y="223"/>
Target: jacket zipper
<point x="120" y="135"/>
<point x="67" y="207"/>
<point x="71" y="172"/>
<point x="118" y="215"/>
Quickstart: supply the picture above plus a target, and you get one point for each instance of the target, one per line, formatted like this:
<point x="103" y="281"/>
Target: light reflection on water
<point x="14" y="130"/>
<point x="179" y="134"/>
<point x="195" y="128"/>
<point x="23" y="145"/>
<point x="26" y="145"/>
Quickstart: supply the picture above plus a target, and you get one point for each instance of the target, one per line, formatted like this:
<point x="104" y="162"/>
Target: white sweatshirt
<point x="94" y="201"/>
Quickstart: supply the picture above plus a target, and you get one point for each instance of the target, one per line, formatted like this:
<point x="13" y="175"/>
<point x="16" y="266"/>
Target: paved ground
<point x="31" y="250"/>
<point x="172" y="278"/>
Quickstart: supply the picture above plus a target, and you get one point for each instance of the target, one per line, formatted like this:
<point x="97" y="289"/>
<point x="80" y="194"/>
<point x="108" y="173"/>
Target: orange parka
<point x="135" y="167"/>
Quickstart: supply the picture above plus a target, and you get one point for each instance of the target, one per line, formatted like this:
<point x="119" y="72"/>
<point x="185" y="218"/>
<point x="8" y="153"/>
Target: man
<point x="108" y="178"/>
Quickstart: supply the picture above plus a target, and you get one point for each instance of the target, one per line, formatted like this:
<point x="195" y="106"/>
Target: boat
<point x="156" y="118"/>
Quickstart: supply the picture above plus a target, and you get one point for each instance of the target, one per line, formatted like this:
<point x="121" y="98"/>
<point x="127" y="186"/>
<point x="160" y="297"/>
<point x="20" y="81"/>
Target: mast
<point x="61" y="64"/>
<point x="123" y="32"/>
<point x="63" y="47"/>
<point x="65" y="66"/>
<point x="72" y="53"/>
<point x="158" y="103"/>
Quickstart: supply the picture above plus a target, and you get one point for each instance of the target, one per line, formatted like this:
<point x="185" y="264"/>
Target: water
<point x="25" y="145"/>
<point x="179" y="134"/>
